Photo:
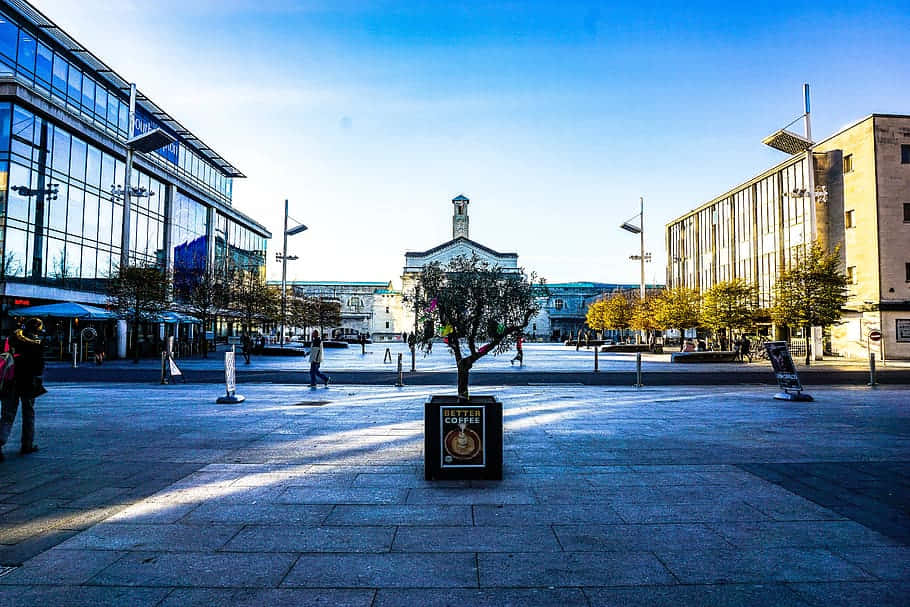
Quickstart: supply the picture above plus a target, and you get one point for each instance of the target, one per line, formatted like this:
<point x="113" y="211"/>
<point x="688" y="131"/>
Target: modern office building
<point x="861" y="207"/>
<point x="64" y="132"/>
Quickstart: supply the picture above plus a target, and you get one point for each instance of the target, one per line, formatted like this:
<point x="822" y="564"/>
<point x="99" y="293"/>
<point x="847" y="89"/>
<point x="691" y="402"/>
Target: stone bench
<point x="714" y="356"/>
<point x="620" y="348"/>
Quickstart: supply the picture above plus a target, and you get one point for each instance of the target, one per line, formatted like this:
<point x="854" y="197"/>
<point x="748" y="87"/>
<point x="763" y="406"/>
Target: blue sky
<point x="552" y="117"/>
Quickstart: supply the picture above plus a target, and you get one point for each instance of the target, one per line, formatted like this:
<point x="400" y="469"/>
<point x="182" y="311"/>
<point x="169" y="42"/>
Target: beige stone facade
<point x="862" y="206"/>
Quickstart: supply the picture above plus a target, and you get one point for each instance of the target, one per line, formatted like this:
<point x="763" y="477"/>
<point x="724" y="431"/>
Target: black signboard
<point x="785" y="371"/>
<point x="463" y="436"/>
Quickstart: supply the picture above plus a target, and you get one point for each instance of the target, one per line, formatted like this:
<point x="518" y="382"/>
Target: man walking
<point x="247" y="346"/>
<point x="28" y="354"/>
<point x="317" y="354"/>
<point x="519" y="352"/>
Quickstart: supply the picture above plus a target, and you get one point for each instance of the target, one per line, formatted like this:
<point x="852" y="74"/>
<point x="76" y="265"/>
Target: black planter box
<point x="462" y="438"/>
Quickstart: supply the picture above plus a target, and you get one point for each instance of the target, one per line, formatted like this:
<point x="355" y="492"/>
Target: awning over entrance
<point x="65" y="310"/>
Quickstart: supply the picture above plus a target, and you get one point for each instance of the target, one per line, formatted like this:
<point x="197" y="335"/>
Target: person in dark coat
<point x="28" y="353"/>
<point x="247" y="347"/>
<point x="100" y="348"/>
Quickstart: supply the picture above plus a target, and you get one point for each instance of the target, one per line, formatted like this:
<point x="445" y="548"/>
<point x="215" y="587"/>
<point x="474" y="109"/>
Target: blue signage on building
<point x="143" y="124"/>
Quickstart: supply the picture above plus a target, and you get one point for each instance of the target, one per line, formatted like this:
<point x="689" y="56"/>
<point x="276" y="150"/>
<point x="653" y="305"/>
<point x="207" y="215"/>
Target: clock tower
<point x="460" y="217"/>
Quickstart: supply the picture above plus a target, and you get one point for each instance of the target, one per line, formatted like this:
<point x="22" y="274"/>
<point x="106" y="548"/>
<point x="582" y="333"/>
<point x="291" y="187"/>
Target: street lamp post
<point x="284" y="258"/>
<point x="640" y="230"/>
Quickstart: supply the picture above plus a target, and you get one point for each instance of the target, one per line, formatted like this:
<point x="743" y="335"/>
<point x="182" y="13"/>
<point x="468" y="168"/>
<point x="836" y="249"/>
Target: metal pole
<point x="641" y="333"/>
<point x="127" y="176"/>
<point x="400" y="378"/>
<point x="872" y="383"/>
<point x="596" y="359"/>
<point x="163" y="368"/>
<point x="414" y="338"/>
<point x="638" y="383"/>
<point x="284" y="272"/>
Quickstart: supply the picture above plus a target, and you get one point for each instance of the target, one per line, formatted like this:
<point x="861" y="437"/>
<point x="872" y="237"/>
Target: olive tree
<point x="475" y="307"/>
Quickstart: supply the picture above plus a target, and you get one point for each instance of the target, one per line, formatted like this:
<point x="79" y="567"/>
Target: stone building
<point x="860" y="204"/>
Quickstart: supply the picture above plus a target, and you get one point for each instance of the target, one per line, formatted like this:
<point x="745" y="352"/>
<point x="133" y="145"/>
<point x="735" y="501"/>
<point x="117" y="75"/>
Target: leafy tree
<point x="678" y="308"/>
<point x="139" y="293"/>
<point x="204" y="296"/>
<point x="476" y="307"/>
<point x="811" y="293"/>
<point x="644" y="314"/>
<point x="614" y="313"/>
<point x="253" y="299"/>
<point x="730" y="304"/>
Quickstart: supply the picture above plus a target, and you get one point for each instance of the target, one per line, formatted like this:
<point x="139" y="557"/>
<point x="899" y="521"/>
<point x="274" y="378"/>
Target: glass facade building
<point x="64" y="128"/>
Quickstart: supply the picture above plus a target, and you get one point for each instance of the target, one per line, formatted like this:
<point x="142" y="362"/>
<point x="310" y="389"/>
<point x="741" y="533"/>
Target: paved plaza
<point x="154" y="495"/>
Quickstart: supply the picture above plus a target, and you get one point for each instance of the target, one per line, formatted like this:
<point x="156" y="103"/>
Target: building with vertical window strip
<point x="861" y="207"/>
<point x="64" y="127"/>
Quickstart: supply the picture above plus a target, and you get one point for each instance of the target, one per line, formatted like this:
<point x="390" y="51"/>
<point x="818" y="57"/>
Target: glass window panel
<point x="105" y="220"/>
<point x="103" y="265"/>
<point x="100" y="102"/>
<point x="27" y="48"/>
<point x="9" y="36"/>
<point x="107" y="173"/>
<point x="90" y="217"/>
<point x="88" y="262"/>
<point x="61" y="150"/>
<point x="6" y="117"/>
<point x="117" y="225"/>
<point x="43" y="66"/>
<point x="55" y="211"/>
<point x="77" y="159"/>
<point x="120" y="175"/>
<point x="74" y="215"/>
<point x="88" y="94"/>
<point x="53" y="258"/>
<point x="60" y="73"/>
<point x="124" y="113"/>
<point x="73" y="267"/>
<point x="74" y="90"/>
<point x="17" y="205"/>
<point x="23" y="123"/>
<point x="14" y="263"/>
<point x="93" y="169"/>
<point x="112" y="108"/>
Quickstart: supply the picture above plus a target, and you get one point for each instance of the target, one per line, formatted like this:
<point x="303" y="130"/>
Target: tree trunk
<point x="135" y="342"/>
<point x="808" y="332"/>
<point x="464" y="368"/>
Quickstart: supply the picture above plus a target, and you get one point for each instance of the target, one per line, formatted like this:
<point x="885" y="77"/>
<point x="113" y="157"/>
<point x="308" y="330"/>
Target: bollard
<point x="75" y="350"/>
<point x="596" y="359"/>
<point x="163" y="368"/>
<point x="638" y="383"/>
<point x="400" y="379"/>
<point x="413" y="359"/>
<point x="872" y="383"/>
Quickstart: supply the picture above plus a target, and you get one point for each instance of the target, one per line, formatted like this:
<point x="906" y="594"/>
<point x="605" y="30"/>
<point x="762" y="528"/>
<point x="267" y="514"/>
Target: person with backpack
<point x="28" y="368"/>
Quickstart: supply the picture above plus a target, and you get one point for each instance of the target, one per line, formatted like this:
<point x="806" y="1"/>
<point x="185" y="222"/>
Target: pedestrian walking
<point x="246" y="344"/>
<point x="363" y="344"/>
<point x="745" y="349"/>
<point x="317" y="355"/>
<point x="28" y="356"/>
<point x="519" y="352"/>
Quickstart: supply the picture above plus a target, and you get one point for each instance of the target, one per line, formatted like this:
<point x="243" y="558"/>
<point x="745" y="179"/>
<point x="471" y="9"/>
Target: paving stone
<point x="801" y="533"/>
<point x="258" y="514"/>
<point x="173" y="537"/>
<point x="853" y="594"/>
<point x="400" y="515"/>
<point x="294" y="538"/>
<point x="723" y="595"/>
<point x="395" y="570"/>
<point x="600" y="538"/>
<point x="154" y="513"/>
<point x="475" y="539"/>
<point x="886" y="563"/>
<point x="702" y="512"/>
<point x="80" y="596"/>
<point x="450" y="597"/>
<point x="234" y="570"/>
<point x="698" y="566"/>
<point x="290" y="597"/>
<point x="470" y="496"/>
<point x="61" y="567"/>
<point x="360" y="495"/>
<point x="544" y="569"/>
<point x="521" y="515"/>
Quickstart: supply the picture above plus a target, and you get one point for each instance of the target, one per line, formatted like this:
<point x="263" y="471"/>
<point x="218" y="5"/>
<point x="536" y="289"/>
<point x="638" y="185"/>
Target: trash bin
<point x="462" y="438"/>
